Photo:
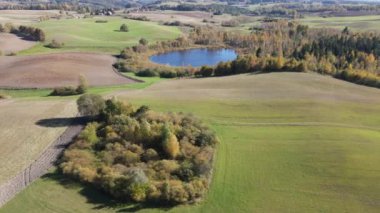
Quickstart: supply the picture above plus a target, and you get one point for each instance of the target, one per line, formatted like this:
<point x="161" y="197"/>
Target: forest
<point x="140" y="155"/>
<point x="278" y="45"/>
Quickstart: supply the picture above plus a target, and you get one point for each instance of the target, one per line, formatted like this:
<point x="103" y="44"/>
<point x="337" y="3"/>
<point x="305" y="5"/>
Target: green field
<point x="360" y="23"/>
<point x="86" y="35"/>
<point x="290" y="142"/>
<point x="44" y="93"/>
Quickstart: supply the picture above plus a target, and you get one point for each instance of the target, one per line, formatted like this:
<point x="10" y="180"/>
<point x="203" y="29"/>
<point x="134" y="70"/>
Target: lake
<point x="195" y="57"/>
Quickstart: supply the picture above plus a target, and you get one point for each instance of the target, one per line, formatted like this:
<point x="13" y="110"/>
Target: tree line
<point x="27" y="32"/>
<point x="277" y="45"/>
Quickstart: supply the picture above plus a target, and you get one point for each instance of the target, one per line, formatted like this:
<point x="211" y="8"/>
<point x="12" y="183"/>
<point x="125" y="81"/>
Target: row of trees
<point x="141" y="155"/>
<point x="27" y="32"/>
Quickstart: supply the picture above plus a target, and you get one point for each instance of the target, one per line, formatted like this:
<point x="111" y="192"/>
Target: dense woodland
<point x="275" y="46"/>
<point x="140" y="155"/>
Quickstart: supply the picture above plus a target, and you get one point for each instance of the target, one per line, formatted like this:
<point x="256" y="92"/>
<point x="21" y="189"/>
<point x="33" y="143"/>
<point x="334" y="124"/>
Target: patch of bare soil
<point x="62" y="69"/>
<point x="10" y="43"/>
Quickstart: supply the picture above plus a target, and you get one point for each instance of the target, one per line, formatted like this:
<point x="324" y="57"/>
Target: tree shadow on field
<point x="61" y="122"/>
<point x="97" y="197"/>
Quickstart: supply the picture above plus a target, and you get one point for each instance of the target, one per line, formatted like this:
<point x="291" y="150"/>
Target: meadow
<point x="359" y="23"/>
<point x="290" y="142"/>
<point x="86" y="35"/>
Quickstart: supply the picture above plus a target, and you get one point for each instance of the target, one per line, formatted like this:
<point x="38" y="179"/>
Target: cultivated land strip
<point x="40" y="166"/>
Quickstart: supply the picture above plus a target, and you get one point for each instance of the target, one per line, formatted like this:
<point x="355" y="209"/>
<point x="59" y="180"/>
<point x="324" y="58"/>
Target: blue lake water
<point x="195" y="57"/>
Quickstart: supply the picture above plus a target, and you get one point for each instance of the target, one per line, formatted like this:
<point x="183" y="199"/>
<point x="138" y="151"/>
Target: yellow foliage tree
<point x="170" y="143"/>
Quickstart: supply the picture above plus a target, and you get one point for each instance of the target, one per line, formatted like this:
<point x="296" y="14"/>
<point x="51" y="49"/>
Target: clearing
<point x="306" y="142"/>
<point x="10" y="43"/>
<point x="63" y="69"/>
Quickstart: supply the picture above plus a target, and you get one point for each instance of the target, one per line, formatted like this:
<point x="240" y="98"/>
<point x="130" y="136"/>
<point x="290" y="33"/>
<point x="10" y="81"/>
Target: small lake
<point x="195" y="57"/>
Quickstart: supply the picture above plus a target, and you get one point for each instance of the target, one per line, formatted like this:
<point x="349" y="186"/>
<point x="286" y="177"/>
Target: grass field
<point x="86" y="35"/>
<point x="44" y="93"/>
<point x="360" y="23"/>
<point x="290" y="142"/>
<point x="22" y="140"/>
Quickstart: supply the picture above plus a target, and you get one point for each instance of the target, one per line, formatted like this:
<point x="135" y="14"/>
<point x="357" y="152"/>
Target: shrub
<point x="143" y="41"/>
<point x="64" y="91"/>
<point x="124" y="28"/>
<point x="206" y="71"/>
<point x="120" y="66"/>
<point x="147" y="73"/>
<point x="168" y="74"/>
<point x="54" y="44"/>
<point x="101" y="21"/>
<point x="67" y="91"/>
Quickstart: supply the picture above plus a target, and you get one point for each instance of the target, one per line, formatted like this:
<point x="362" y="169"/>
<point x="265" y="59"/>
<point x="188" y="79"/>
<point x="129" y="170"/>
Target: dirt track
<point x="11" y="43"/>
<point x="61" y="69"/>
<point x="39" y="167"/>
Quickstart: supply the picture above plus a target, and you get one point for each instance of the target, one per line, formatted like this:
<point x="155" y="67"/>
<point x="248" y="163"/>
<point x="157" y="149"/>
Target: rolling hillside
<point x="305" y="142"/>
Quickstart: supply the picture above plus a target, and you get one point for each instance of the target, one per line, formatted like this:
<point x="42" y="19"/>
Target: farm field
<point x="10" y="43"/>
<point x="25" y="16"/>
<point x="86" y="35"/>
<point x="360" y="23"/>
<point x="22" y="140"/>
<point x="305" y="142"/>
<point x="199" y="18"/>
<point x="53" y="70"/>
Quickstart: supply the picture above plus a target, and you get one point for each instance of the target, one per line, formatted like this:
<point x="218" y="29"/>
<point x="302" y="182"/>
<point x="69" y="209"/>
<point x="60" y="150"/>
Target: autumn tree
<point x="170" y="143"/>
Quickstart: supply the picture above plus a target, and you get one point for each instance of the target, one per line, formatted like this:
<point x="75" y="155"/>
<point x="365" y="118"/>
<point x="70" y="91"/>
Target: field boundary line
<point x="41" y="165"/>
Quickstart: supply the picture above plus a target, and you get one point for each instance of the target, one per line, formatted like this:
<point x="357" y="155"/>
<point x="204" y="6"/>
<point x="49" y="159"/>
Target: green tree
<point x="143" y="41"/>
<point x="124" y="28"/>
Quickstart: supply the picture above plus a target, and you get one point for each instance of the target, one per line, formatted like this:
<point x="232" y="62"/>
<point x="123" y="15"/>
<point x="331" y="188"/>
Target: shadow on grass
<point x="62" y="122"/>
<point x="98" y="198"/>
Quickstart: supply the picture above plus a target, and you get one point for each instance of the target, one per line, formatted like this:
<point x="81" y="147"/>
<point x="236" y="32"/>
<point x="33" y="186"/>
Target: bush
<point x="143" y="41"/>
<point x="55" y="44"/>
<point x="67" y="91"/>
<point x="124" y="28"/>
<point x="206" y="71"/>
<point x="168" y="74"/>
<point x="120" y="66"/>
<point x="147" y="73"/>
<point x="64" y="91"/>
<point x="101" y="21"/>
<point x="90" y="105"/>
